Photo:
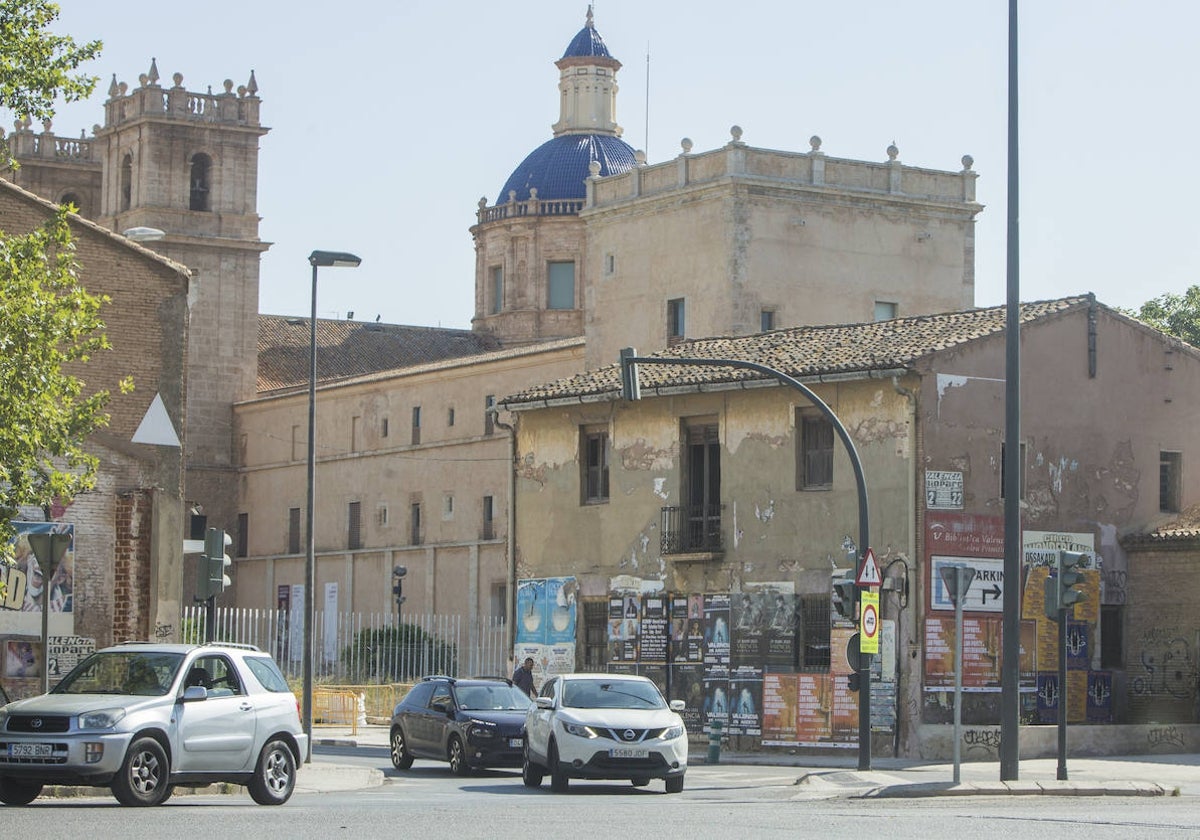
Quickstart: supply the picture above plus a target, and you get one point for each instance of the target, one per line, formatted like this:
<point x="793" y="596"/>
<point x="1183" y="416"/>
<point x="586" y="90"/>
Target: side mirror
<point x="678" y="705"/>
<point x="194" y="692"/>
<point x="544" y="702"/>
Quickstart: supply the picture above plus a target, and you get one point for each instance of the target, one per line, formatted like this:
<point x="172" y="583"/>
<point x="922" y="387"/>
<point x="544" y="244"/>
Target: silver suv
<point x="143" y="718"/>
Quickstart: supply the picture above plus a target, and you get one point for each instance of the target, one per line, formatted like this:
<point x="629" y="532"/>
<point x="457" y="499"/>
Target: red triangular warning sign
<point x="868" y="574"/>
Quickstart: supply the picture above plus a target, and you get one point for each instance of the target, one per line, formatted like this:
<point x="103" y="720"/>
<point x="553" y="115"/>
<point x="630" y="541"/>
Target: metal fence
<point x="364" y="648"/>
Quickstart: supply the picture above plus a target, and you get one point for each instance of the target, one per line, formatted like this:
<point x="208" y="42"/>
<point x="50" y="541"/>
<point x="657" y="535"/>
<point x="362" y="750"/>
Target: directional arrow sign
<point x="869" y="575"/>
<point x="986" y="593"/>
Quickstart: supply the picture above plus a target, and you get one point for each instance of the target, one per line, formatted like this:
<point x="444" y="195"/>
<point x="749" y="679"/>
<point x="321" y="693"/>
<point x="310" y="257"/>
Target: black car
<point x="467" y="722"/>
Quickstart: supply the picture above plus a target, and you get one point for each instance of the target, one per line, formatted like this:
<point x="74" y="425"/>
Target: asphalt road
<point x="721" y="801"/>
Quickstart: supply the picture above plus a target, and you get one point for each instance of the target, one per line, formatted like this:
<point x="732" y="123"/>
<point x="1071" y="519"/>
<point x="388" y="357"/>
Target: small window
<point x="885" y="310"/>
<point x="489" y="523"/>
<point x="498" y="601"/>
<point x="354" y="535"/>
<point x="561" y="285"/>
<point x="243" y="534"/>
<point x="414" y="537"/>
<point x="675" y="321"/>
<point x="814" y="454"/>
<point x="1112" y="636"/>
<point x="497" y="288"/>
<point x="381" y="516"/>
<point x="416" y="425"/>
<point x="383" y="427"/>
<point x="201" y="173"/>
<point x="450" y="416"/>
<point x="448" y="506"/>
<point x="489" y="416"/>
<point x="293" y="530"/>
<point x="1004" y="465"/>
<point x="610" y="264"/>
<point x="126" y="182"/>
<point x="298" y="442"/>
<point x="593" y="457"/>
<point x="1170" y="470"/>
<point x="355" y="433"/>
<point x="766" y="320"/>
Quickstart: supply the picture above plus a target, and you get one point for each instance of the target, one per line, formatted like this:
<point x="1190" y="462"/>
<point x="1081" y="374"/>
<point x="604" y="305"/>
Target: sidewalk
<point x="837" y="776"/>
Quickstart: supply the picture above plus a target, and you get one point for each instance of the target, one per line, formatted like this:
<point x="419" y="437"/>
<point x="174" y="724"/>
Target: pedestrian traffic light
<point x="845" y="593"/>
<point x="217" y="561"/>
<point x="1070" y="576"/>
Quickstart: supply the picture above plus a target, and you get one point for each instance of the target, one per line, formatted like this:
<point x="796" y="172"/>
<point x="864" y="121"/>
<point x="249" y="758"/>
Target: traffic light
<point x="398" y="574"/>
<point x="853" y="681"/>
<point x="845" y="593"/>
<point x="216" y="562"/>
<point x="1070" y="576"/>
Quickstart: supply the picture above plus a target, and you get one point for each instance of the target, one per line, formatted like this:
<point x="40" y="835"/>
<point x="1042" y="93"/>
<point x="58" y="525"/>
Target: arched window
<point x="127" y="182"/>
<point x="201" y="172"/>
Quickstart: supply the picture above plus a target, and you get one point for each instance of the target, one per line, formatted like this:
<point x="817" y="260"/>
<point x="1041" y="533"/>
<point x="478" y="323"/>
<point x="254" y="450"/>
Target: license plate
<point x="515" y="742"/>
<point x="30" y="750"/>
<point x="628" y="752"/>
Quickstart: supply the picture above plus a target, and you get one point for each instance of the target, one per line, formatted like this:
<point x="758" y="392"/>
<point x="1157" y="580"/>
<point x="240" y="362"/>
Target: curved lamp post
<point x="317" y="259"/>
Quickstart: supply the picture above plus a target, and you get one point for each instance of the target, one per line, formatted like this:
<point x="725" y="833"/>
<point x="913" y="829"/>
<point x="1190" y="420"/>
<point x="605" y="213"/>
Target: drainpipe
<point x="510" y="538"/>
<point x="917" y="518"/>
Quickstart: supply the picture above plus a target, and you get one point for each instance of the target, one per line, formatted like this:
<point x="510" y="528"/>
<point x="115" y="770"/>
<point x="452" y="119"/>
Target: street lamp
<point x="316" y="259"/>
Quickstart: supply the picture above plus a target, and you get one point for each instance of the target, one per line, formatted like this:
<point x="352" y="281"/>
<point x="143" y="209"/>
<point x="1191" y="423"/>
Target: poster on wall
<point x="21" y="606"/>
<point x="22" y="658"/>
<point x="623" y="628"/>
<point x="65" y="652"/>
<point x="1099" y="697"/>
<point x="687" y="628"/>
<point x="531" y="611"/>
<point x="745" y="700"/>
<point x="655" y="629"/>
<point x="560" y="606"/>
<point x="716" y="628"/>
<point x="687" y="684"/>
<point x="545" y="626"/>
<point x="749" y="620"/>
<point x="716" y="696"/>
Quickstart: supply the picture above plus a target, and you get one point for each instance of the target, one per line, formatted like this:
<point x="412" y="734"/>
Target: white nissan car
<point x="604" y="726"/>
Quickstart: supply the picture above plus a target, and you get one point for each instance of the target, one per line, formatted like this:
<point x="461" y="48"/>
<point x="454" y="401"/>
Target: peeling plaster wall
<point x="772" y="531"/>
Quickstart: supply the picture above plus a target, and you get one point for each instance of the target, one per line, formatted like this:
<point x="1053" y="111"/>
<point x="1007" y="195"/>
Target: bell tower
<point x="186" y="163"/>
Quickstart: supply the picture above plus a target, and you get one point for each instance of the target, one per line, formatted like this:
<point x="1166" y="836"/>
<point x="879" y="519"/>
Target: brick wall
<point x="131" y="567"/>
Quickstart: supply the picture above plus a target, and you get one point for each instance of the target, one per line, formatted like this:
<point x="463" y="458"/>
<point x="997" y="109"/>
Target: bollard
<point x="714" y="743"/>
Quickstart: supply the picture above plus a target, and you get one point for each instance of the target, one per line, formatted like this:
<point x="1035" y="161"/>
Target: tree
<point x="48" y="324"/>
<point x="1177" y="315"/>
<point x="38" y="67"/>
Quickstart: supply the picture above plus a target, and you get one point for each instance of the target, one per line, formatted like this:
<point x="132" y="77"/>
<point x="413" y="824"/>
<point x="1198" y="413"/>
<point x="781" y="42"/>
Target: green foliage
<point x="37" y="66"/>
<point x="48" y="321"/>
<point x="1177" y="315"/>
<point x="400" y="653"/>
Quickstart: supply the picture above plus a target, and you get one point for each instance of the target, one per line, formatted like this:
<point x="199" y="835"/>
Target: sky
<point x="389" y="120"/>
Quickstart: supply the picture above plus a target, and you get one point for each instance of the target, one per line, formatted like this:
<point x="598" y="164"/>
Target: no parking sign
<point x="869" y="621"/>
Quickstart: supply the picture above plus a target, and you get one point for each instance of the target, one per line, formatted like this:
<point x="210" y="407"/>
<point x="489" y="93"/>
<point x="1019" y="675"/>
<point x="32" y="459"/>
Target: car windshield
<point x="147" y="673"/>
<point x="500" y="697"/>
<point x="612" y="694"/>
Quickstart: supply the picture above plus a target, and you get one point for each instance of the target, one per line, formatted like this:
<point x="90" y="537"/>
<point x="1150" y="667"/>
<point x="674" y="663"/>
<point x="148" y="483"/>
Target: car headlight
<point x="579" y="730"/>
<point x="102" y="719"/>
<point x="672" y="732"/>
<point x="479" y="729"/>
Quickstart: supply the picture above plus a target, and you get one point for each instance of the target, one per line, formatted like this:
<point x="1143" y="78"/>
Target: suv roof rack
<point x="438" y="677"/>
<point x="238" y="645"/>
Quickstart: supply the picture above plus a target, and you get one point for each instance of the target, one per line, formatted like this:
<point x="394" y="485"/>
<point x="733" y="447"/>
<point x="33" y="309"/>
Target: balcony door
<point x="702" y="485"/>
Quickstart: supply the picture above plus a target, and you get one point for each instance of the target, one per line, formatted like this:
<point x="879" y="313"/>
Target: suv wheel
<point x="142" y="779"/>
<point x="274" y="776"/>
<point x="458" y="757"/>
<point x="402" y="759"/>
<point x="675" y="784"/>
<point x="559" y="781"/>
<point x="640" y="781"/>
<point x="16" y="792"/>
<point x="531" y="774"/>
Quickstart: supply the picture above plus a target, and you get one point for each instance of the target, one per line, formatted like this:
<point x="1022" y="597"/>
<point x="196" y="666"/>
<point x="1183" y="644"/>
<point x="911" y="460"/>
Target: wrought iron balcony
<point x="692" y="529"/>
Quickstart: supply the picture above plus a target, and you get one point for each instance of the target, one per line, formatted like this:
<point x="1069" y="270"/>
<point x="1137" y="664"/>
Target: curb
<point x="1055" y="788"/>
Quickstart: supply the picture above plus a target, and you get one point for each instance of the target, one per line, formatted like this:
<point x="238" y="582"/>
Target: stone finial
<point x="892" y="151"/>
<point x="512" y="195"/>
<point x="210" y="93"/>
<point x="123" y="88"/>
<point x="590" y="23"/>
<point x="27" y="123"/>
<point x="95" y="129"/>
<point x="967" y="162"/>
<point x="639" y="157"/>
<point x="143" y="80"/>
<point x="686" y="145"/>
<point x="735" y="132"/>
<point x="82" y="134"/>
<point x="241" y="91"/>
<point x="47" y="125"/>
<point x="177" y="78"/>
<point x="533" y="194"/>
<point x="594" y="169"/>
<point x="113" y="89"/>
<point x="252" y="85"/>
<point x="483" y="202"/>
<point x="815" y="142"/>
<point x="152" y="75"/>
<point x="228" y="85"/>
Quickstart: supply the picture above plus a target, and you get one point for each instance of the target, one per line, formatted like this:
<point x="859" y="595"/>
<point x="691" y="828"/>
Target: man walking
<point x="523" y="677"/>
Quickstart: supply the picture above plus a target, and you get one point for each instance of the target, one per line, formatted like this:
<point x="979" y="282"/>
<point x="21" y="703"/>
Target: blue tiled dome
<point x="587" y="43"/>
<point x="559" y="167"/>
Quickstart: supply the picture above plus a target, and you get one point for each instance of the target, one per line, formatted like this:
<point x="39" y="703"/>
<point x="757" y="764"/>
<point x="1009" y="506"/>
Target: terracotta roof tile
<point x="840" y="349"/>
<point x="353" y="348"/>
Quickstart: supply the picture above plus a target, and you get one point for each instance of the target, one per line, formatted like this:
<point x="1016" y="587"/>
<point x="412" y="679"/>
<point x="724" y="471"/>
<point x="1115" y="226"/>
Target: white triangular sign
<point x="869" y="575"/>
<point x="156" y="427"/>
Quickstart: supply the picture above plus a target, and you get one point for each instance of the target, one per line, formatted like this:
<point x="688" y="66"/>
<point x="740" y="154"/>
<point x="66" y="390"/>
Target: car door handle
<point x="246" y="707"/>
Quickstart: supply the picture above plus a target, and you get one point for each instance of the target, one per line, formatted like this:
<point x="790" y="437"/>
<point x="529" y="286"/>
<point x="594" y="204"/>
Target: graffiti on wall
<point x="1165" y="667"/>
